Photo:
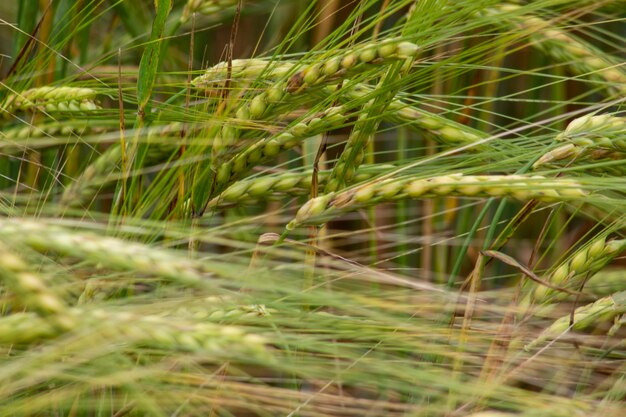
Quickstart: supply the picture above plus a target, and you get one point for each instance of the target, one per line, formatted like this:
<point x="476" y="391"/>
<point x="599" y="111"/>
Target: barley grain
<point x="444" y="130"/>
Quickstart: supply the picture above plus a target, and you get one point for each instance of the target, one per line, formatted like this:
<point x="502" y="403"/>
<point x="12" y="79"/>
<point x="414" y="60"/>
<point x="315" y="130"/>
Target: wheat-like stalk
<point x="299" y="75"/>
<point x="606" y="282"/>
<point x="285" y="184"/>
<point x="24" y="328"/>
<point x="520" y="187"/>
<point x="170" y="332"/>
<point x="205" y="7"/>
<point x="581" y="265"/>
<point x="582" y="58"/>
<point x="446" y="131"/>
<point x="602" y="310"/>
<point x="589" y="137"/>
<point x="31" y="289"/>
<point x="112" y="252"/>
<point x="156" y="331"/>
<point x="269" y="147"/>
<point x="106" y="167"/>
<point x="52" y="100"/>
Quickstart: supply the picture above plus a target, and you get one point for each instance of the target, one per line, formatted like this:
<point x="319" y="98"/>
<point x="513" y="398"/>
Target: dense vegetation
<point x="312" y="208"/>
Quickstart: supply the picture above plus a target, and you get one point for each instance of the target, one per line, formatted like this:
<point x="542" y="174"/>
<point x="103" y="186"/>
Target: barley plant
<point x="313" y="208"/>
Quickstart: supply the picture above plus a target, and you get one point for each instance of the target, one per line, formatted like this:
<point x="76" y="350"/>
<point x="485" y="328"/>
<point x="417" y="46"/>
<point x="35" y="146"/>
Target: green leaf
<point x="150" y="59"/>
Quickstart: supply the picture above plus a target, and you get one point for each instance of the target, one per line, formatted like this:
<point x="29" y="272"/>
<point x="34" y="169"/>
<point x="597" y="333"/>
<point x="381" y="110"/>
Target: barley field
<point x="313" y="208"/>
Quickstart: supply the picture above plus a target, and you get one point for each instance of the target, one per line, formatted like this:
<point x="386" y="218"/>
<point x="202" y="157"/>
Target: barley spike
<point x="520" y="187"/>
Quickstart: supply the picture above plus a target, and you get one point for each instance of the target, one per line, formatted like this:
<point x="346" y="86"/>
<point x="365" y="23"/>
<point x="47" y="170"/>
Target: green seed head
<point x="561" y="274"/>
<point x="418" y="188"/>
<point x="239" y="164"/>
<point x="452" y="134"/>
<point x="243" y="113"/>
<point x="301" y="129"/>
<point x="614" y="247"/>
<point x="223" y="173"/>
<point x="429" y="123"/>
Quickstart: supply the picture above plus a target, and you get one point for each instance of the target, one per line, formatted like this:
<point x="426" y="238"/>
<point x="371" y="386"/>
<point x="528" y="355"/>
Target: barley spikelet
<point x="320" y="209"/>
<point x="583" y="264"/>
<point x="52" y="100"/>
<point x="28" y="138"/>
<point x="602" y="310"/>
<point x="589" y="137"/>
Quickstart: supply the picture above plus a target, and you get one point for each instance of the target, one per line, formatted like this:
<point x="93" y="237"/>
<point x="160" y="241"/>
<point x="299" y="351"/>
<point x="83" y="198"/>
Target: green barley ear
<point x="267" y="148"/>
<point x="581" y="265"/>
<point x="51" y="100"/>
<point x="604" y="309"/>
<point x="186" y="335"/>
<point x="285" y="184"/>
<point x="205" y="7"/>
<point x="299" y="76"/>
<point x="32" y="290"/>
<point x="105" y="170"/>
<point x="445" y="131"/>
<point x="583" y="58"/>
<point x="519" y="187"/>
<point x="24" y="328"/>
<point x="607" y="281"/>
<point x="589" y="137"/>
<point x="115" y="253"/>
